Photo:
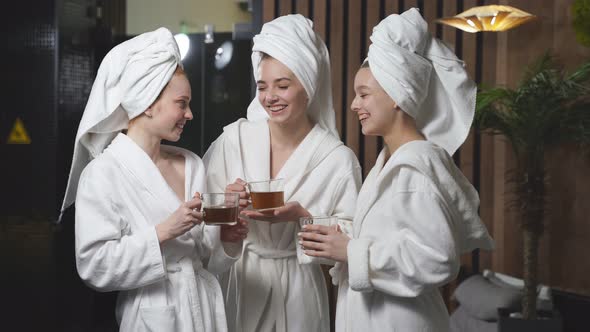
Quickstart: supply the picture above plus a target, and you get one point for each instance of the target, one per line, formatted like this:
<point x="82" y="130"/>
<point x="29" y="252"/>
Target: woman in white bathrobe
<point x="290" y="133"/>
<point x="137" y="226"/>
<point x="416" y="212"/>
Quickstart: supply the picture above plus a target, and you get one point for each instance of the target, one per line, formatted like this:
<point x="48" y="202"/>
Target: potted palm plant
<point x="546" y="109"/>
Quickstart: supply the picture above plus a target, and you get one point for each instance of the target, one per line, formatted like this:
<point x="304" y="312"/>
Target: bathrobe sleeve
<point x="346" y="194"/>
<point x="215" y="163"/>
<point x="107" y="257"/>
<point x="405" y="261"/>
<point x="221" y="254"/>
<point x="218" y="256"/>
<point x="345" y="198"/>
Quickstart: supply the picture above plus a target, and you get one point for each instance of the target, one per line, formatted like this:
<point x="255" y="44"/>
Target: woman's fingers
<point x="311" y="245"/>
<point x="254" y="214"/>
<point x="194" y="203"/>
<point x="319" y="229"/>
<point x="316" y="253"/>
<point x="236" y="188"/>
<point x="239" y="229"/>
<point x="262" y="218"/>
<point x="244" y="195"/>
<point x="279" y="210"/>
<point x="316" y="237"/>
<point x="196" y="216"/>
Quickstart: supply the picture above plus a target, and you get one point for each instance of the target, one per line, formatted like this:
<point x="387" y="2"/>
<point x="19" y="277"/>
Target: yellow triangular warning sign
<point x="18" y="134"/>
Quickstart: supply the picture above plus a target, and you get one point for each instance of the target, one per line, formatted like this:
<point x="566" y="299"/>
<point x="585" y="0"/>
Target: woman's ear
<point x="149" y="112"/>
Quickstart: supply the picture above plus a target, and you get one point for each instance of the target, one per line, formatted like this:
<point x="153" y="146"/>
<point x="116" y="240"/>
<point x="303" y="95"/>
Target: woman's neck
<point x="149" y="143"/>
<point x="289" y="136"/>
<point x="401" y="133"/>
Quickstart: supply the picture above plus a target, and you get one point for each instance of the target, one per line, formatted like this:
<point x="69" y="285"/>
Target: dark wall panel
<point x="29" y="93"/>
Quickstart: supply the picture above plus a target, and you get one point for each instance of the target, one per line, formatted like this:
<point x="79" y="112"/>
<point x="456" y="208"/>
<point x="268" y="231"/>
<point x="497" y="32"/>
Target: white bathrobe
<point x="415" y="215"/>
<point x="267" y="289"/>
<point x="121" y="197"/>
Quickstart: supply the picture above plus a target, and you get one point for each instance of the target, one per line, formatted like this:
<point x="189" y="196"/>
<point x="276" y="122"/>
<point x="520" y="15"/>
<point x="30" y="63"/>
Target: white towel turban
<point x="424" y="77"/>
<point x="291" y="40"/>
<point x="129" y="79"/>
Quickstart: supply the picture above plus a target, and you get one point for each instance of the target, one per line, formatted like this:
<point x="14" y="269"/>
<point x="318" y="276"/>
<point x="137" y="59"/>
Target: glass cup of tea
<point x="220" y="208"/>
<point x="267" y="195"/>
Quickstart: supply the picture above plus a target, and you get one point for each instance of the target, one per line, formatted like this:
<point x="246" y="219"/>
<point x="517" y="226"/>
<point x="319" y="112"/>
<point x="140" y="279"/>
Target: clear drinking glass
<point x="302" y="258"/>
<point x="267" y="195"/>
<point x="220" y="208"/>
<point x="318" y="220"/>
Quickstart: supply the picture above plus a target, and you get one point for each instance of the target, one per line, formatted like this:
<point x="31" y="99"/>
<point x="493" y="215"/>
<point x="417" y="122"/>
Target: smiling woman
<point x="166" y="117"/>
<point x="281" y="94"/>
<point x="372" y="105"/>
<point x="416" y="211"/>
<point x="290" y="133"/>
<point x="137" y="199"/>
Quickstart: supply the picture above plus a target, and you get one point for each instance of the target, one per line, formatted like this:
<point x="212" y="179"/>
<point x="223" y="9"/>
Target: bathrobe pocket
<point x="158" y="319"/>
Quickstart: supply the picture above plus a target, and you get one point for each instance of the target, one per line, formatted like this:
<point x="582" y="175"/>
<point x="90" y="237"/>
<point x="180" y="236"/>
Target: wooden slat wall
<point x="370" y="145"/>
<point x="285" y="7"/>
<point x="335" y="42"/>
<point x="352" y="132"/>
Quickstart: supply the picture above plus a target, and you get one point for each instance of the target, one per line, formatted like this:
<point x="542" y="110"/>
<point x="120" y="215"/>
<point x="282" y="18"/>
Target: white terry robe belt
<point x="277" y="293"/>
<point x="193" y="269"/>
<point x="275" y="280"/>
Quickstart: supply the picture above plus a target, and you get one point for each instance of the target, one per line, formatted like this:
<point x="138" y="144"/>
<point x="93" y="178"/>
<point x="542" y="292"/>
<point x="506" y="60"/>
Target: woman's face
<point x="171" y="111"/>
<point x="280" y="92"/>
<point x="374" y="107"/>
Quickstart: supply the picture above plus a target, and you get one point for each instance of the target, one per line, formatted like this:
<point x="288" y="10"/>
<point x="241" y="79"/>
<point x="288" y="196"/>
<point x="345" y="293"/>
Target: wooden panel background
<point x="491" y="59"/>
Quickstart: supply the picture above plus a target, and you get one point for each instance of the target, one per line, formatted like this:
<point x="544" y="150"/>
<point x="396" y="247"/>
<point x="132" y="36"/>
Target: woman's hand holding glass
<point x="181" y="221"/>
<point x="238" y="232"/>
<point x="324" y="241"/>
<point x="291" y="211"/>
<point x="239" y="186"/>
<point x="234" y="233"/>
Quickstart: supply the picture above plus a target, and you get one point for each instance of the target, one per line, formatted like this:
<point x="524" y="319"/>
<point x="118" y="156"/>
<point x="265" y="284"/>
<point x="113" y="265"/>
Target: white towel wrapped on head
<point x="291" y="40"/>
<point x="424" y="77"/>
<point x="129" y="79"/>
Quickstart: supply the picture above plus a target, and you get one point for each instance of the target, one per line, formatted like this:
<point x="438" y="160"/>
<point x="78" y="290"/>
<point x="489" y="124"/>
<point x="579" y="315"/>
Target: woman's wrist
<point x="162" y="233"/>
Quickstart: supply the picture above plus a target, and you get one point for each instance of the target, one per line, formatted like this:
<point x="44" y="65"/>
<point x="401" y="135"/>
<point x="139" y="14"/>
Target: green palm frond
<point x="581" y="75"/>
<point x="548" y="107"/>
